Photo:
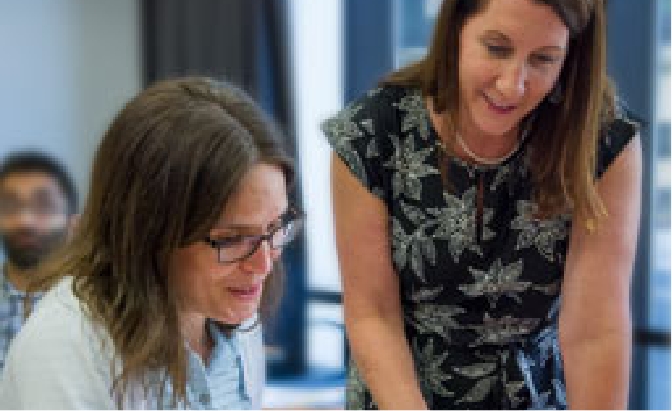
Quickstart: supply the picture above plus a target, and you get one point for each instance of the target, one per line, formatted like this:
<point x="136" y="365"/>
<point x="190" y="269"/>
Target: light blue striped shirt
<point x="219" y="384"/>
<point x="12" y="313"/>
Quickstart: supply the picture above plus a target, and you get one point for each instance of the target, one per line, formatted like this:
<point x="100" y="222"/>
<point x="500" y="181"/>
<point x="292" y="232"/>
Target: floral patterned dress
<point x="480" y="291"/>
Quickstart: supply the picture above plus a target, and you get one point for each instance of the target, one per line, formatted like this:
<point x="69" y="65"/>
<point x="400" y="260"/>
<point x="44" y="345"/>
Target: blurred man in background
<point x="38" y="205"/>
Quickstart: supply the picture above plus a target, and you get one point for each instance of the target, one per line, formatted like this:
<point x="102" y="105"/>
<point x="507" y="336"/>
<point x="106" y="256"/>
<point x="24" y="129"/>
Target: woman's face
<point x="231" y="292"/>
<point x="511" y="55"/>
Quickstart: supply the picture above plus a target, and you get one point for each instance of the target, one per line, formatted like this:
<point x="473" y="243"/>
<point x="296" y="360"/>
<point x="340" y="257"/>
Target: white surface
<point x="276" y="397"/>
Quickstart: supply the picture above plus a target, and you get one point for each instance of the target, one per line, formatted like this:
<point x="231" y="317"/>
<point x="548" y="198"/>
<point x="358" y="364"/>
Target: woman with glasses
<point x="486" y="203"/>
<point x="158" y="301"/>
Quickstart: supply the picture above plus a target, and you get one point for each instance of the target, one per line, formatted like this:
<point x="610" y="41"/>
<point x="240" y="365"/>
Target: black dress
<point x="480" y="291"/>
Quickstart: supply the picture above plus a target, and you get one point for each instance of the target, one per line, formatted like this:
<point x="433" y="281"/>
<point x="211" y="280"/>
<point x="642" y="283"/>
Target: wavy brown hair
<point x="164" y="170"/>
<point x="563" y="137"/>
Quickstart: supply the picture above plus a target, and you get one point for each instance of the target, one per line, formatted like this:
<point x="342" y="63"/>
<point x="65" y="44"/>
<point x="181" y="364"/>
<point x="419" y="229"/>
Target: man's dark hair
<point x="35" y="161"/>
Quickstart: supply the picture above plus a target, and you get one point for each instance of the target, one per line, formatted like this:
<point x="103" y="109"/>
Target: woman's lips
<point x="247" y="293"/>
<point x="498" y="108"/>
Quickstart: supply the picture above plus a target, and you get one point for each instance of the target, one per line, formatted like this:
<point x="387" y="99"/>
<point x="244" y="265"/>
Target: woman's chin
<point x="236" y="316"/>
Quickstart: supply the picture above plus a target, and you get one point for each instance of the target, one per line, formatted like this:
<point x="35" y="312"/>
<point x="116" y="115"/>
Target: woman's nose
<point x="512" y="82"/>
<point x="261" y="260"/>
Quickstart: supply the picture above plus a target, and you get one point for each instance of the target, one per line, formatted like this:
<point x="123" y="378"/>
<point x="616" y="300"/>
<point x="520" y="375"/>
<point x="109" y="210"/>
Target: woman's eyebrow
<point x="498" y="35"/>
<point x="237" y="226"/>
<point x="237" y="229"/>
<point x="248" y="227"/>
<point x="495" y="33"/>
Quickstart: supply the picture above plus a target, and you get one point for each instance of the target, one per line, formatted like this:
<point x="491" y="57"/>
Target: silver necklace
<point x="486" y="161"/>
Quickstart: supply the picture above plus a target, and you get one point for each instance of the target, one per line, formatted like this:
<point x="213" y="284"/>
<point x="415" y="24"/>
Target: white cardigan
<point x="57" y="361"/>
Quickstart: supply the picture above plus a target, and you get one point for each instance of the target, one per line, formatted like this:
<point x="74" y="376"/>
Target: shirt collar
<point x="7" y="288"/>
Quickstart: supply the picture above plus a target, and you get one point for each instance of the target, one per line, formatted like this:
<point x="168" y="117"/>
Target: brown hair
<point x="165" y="168"/>
<point x="564" y="170"/>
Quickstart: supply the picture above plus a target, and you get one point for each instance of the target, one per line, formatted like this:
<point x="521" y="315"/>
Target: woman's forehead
<point x="522" y="20"/>
<point x="259" y="202"/>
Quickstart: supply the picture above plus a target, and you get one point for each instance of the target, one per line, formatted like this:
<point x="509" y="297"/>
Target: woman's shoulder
<point x="623" y="125"/>
<point x="378" y="103"/>
<point x="377" y="113"/>
<point x="616" y="135"/>
<point x="57" y="308"/>
<point x="391" y="96"/>
<point x="58" y="347"/>
<point x="58" y="329"/>
<point x="368" y="132"/>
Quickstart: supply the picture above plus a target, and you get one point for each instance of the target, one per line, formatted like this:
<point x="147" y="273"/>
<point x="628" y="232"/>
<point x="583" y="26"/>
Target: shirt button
<point x="204" y="398"/>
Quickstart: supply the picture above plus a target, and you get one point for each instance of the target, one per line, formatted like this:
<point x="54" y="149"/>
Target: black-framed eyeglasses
<point x="236" y="248"/>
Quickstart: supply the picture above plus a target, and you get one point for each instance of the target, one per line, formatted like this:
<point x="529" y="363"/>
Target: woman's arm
<point x="373" y="314"/>
<point x="595" y="324"/>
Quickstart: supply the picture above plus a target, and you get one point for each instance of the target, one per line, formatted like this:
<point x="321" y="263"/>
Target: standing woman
<point x="158" y="299"/>
<point x="486" y="207"/>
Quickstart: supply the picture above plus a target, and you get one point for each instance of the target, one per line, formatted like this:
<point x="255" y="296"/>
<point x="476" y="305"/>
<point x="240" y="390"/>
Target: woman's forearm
<point x="384" y="360"/>
<point x="597" y="370"/>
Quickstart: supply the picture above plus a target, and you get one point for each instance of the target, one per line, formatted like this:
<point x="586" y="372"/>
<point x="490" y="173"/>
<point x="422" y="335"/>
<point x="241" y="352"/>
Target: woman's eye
<point x="499" y="51"/>
<point x="543" y="59"/>
<point x="231" y="240"/>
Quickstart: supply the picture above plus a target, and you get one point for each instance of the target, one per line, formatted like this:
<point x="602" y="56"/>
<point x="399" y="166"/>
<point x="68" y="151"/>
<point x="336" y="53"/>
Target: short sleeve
<point x="358" y="133"/>
<point x="613" y="141"/>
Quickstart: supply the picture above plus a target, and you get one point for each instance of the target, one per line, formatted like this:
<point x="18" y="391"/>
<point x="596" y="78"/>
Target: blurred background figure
<point x="302" y="61"/>
<point x="38" y="204"/>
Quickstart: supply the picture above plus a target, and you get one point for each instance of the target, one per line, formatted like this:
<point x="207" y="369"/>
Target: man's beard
<point x="25" y="257"/>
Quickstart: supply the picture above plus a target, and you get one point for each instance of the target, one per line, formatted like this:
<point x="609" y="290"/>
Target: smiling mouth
<point x="500" y="108"/>
<point x="246" y="293"/>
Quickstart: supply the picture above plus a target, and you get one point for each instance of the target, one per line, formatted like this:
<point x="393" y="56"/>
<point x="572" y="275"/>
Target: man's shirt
<point x="12" y="314"/>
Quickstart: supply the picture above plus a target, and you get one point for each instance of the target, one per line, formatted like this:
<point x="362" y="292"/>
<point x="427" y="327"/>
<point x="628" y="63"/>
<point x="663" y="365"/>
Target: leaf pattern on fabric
<point x="408" y="166"/>
<point x="374" y="92"/>
<point x="456" y="223"/>
<point x="540" y="234"/>
<point x="343" y="128"/>
<point x="435" y="318"/>
<point x="503" y="173"/>
<point x="430" y="372"/>
<point x="479" y="391"/>
<point x="552" y="289"/>
<point x="503" y="330"/>
<point x="367" y="125"/>
<point x="513" y="391"/>
<point x="415" y="115"/>
<point x="341" y="131"/>
<point x="425" y="294"/>
<point x="356" y="390"/>
<point x="478" y="370"/>
<point x="372" y="149"/>
<point x="415" y="248"/>
<point x="499" y="280"/>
